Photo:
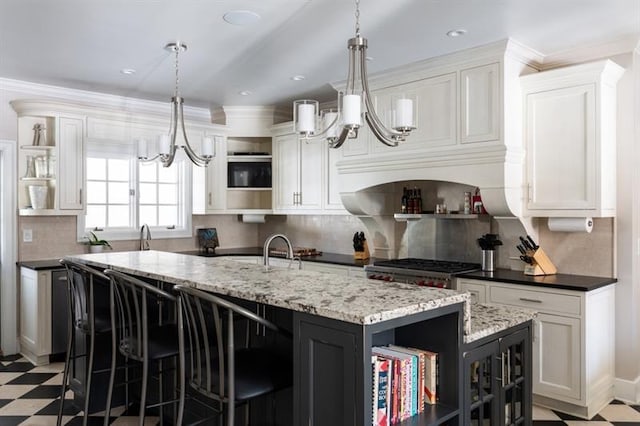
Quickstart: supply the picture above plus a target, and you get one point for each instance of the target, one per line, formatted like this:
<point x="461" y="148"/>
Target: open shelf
<point x="405" y="217"/>
<point x="38" y="147"/>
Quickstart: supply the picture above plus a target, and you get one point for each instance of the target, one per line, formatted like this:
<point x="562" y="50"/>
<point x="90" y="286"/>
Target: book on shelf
<point x="381" y="391"/>
<point x="403" y="376"/>
<point x="420" y="365"/>
<point x="431" y="377"/>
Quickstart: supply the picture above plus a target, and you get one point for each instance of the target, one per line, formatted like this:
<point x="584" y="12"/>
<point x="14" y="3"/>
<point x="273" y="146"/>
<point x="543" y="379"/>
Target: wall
<point x="51" y="245"/>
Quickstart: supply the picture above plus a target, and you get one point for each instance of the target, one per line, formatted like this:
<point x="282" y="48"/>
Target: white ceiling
<point x="85" y="43"/>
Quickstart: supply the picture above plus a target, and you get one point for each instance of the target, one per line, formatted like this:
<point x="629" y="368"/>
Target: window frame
<point x="100" y="149"/>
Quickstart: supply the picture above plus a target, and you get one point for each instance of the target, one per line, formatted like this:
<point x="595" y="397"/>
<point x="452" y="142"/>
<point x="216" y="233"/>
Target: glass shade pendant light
<point x="167" y="142"/>
<point x="354" y="105"/>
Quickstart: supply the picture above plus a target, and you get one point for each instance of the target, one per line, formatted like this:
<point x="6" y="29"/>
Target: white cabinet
<point x="298" y="174"/>
<point x="573" y="345"/>
<point x="480" y="103"/>
<point x="50" y="169"/>
<point x="570" y="137"/>
<point x="35" y="315"/>
<point x="210" y="183"/>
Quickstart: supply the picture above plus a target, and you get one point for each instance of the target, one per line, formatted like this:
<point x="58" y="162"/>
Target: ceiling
<point x="85" y="44"/>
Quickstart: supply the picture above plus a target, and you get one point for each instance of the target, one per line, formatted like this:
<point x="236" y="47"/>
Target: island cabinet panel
<point x="332" y="365"/>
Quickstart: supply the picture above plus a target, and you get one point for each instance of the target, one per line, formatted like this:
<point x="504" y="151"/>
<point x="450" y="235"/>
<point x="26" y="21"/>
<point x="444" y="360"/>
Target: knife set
<point x="360" y="246"/>
<point x="538" y="263"/>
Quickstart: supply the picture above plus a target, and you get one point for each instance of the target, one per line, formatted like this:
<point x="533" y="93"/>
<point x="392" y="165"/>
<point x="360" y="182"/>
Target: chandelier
<point x="167" y="142"/>
<point x="354" y="105"/>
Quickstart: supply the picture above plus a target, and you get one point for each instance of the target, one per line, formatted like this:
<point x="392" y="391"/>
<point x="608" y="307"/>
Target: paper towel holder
<point x="570" y="224"/>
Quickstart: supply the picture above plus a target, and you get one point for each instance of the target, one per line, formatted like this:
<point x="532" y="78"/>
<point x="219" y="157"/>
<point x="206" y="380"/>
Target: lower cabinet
<point x="573" y="342"/>
<point x="35" y="315"/>
<point x="333" y="372"/>
<point x="497" y="380"/>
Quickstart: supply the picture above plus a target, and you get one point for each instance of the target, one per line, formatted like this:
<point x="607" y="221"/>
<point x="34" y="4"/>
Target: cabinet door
<point x="514" y="376"/>
<point x="286" y="169"/>
<point x="561" y="136"/>
<point x="479" y="104"/>
<point x="70" y="163"/>
<point x="332" y="200"/>
<point x="478" y="291"/>
<point x="326" y="373"/>
<point x="311" y="174"/>
<point x="210" y="183"/>
<point x="481" y="385"/>
<point x="557" y="358"/>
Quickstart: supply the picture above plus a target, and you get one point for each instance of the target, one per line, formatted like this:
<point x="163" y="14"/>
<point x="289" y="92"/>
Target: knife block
<point x="542" y="264"/>
<point x="362" y="255"/>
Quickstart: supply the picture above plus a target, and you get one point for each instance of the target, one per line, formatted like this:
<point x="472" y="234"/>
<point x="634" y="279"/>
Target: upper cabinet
<point x="50" y="160"/>
<point x="570" y="137"/>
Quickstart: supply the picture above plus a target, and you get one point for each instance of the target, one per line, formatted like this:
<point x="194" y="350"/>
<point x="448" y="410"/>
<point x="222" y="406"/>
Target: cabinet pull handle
<point x="62" y="278"/>
<point x="524" y="299"/>
<point x="80" y="196"/>
<point x="209" y="198"/>
<point x="300" y="198"/>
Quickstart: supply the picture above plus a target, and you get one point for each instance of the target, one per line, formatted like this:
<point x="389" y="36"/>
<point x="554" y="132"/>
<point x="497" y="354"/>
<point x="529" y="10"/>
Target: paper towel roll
<point x="570" y="224"/>
<point x="253" y="218"/>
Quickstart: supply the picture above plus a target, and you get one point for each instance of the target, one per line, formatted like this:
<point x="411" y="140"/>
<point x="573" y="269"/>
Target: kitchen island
<point x="336" y="322"/>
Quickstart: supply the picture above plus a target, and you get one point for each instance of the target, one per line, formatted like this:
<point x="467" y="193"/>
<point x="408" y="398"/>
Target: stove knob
<point x="430" y="283"/>
<point x="372" y="277"/>
<point x="421" y="283"/>
<point x="440" y="285"/>
<point x="387" y="278"/>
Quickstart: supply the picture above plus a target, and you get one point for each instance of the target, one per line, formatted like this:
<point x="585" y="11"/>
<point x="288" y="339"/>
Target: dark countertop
<point x="559" y="281"/>
<point x="40" y="265"/>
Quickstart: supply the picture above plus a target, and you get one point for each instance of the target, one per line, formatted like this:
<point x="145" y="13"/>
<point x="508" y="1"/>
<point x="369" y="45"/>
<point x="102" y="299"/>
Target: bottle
<point x="411" y="203"/>
<point x="404" y="201"/>
<point x="418" y="206"/>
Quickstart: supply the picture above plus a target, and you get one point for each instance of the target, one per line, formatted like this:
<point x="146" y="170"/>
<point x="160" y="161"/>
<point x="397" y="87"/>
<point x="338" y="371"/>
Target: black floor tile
<point x="548" y="423"/>
<point x="43" y="392"/>
<point x="616" y="401"/>
<point x="635" y="407"/>
<point x="565" y="416"/>
<point x="4" y="402"/>
<point x="598" y="418"/>
<point x="625" y="423"/>
<point x="10" y="358"/>
<point x="52" y="409"/>
<point x="16" y="367"/>
<point x="12" y="420"/>
<point x="31" y="379"/>
<point x="91" y="421"/>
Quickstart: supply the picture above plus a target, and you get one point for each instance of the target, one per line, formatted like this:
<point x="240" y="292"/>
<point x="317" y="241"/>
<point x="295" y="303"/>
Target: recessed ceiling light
<point x="298" y="77"/>
<point x="241" y="17"/>
<point x="244" y="92"/>
<point x="456" y="33"/>
<point x="127" y="71"/>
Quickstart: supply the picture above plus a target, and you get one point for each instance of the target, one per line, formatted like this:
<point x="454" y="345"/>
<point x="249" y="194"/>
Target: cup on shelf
<point x="42" y="167"/>
<point x="38" y="196"/>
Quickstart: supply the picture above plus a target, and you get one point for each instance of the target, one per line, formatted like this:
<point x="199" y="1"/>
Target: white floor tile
<point x="585" y="423"/>
<point x="541" y="413"/>
<point x="14" y="391"/>
<point x="55" y="380"/>
<point x="24" y="407"/>
<point x="44" y="420"/>
<point x="620" y="413"/>
<point x="7" y="377"/>
<point x="56" y="367"/>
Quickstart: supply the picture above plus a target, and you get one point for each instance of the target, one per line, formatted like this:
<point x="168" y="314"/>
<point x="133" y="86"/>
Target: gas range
<point x="423" y="272"/>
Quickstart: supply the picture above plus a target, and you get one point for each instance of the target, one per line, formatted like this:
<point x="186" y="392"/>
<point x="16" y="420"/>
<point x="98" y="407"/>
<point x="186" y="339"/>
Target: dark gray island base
<point x="336" y="321"/>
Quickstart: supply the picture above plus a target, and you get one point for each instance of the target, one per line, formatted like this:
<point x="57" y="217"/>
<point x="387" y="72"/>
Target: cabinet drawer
<point x="478" y="291"/>
<point x="537" y="300"/>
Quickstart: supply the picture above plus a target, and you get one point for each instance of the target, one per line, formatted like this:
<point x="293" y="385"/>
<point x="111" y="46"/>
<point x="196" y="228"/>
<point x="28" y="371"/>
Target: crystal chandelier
<point x="167" y="142"/>
<point x="338" y="125"/>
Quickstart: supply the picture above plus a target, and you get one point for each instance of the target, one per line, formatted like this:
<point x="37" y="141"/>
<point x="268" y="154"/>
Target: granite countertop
<point x="487" y="319"/>
<point x="351" y="299"/>
<point x="559" y="281"/>
<point x="39" y="265"/>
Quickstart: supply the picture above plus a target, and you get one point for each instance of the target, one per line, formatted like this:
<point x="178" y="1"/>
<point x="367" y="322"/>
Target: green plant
<point x="95" y="241"/>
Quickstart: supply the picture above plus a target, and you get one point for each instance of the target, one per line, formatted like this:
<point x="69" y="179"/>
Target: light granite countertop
<point x="487" y="319"/>
<point x="352" y="299"/>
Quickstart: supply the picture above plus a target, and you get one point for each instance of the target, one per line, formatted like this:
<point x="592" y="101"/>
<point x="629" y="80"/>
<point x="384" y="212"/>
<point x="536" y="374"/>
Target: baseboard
<point x="628" y="390"/>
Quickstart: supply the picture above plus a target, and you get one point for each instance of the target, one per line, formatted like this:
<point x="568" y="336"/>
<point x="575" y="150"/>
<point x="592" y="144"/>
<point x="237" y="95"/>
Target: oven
<point x="422" y="272"/>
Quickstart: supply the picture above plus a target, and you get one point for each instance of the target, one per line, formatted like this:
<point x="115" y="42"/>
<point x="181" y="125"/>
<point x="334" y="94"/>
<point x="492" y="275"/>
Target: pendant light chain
<point x="177" y="49"/>
<point x="357" y="18"/>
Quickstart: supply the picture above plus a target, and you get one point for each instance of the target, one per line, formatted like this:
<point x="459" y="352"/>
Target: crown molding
<point x="619" y="46"/>
<point x="88" y="99"/>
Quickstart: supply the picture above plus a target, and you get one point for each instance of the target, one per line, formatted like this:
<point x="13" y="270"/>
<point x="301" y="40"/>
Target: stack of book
<point x="404" y="380"/>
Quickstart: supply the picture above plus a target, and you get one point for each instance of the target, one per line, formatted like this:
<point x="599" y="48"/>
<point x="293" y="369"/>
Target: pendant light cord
<point x="177" y="49"/>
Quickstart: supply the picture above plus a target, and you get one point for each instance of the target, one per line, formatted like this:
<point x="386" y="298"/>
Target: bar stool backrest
<point x="81" y="294"/>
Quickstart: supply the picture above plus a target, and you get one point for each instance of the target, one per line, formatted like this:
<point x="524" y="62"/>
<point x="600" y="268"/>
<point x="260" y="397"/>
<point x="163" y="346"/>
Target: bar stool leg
<point x="143" y="391"/>
<point x="65" y="374"/>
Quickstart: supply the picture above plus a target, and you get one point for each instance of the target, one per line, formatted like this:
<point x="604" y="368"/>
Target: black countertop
<point x="559" y="281"/>
<point x="39" y="265"/>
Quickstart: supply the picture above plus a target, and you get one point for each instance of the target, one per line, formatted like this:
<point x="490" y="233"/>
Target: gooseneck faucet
<point x="145" y="236"/>
<point x="267" y="243"/>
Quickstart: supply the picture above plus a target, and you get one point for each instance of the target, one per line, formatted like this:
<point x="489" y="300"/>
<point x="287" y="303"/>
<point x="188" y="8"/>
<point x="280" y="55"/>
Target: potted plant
<point x="97" y="245"/>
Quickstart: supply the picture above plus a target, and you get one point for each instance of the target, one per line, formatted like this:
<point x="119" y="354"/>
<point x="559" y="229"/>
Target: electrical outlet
<point x="27" y="235"/>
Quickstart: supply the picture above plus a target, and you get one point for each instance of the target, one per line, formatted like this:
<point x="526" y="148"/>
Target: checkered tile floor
<point x="31" y="395"/>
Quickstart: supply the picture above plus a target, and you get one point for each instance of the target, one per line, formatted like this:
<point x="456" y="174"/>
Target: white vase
<point x="96" y="249"/>
<point x="38" y="196"/>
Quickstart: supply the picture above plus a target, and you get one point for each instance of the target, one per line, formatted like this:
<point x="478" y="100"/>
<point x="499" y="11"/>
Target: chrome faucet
<point x="145" y="236"/>
<point x="265" y="251"/>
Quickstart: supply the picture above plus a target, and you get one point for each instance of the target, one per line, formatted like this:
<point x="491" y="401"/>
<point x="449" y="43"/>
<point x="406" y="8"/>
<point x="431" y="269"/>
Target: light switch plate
<point x="27" y="235"/>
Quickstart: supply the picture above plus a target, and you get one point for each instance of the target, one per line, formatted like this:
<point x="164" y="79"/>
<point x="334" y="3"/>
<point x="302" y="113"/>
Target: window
<point x="123" y="194"/>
